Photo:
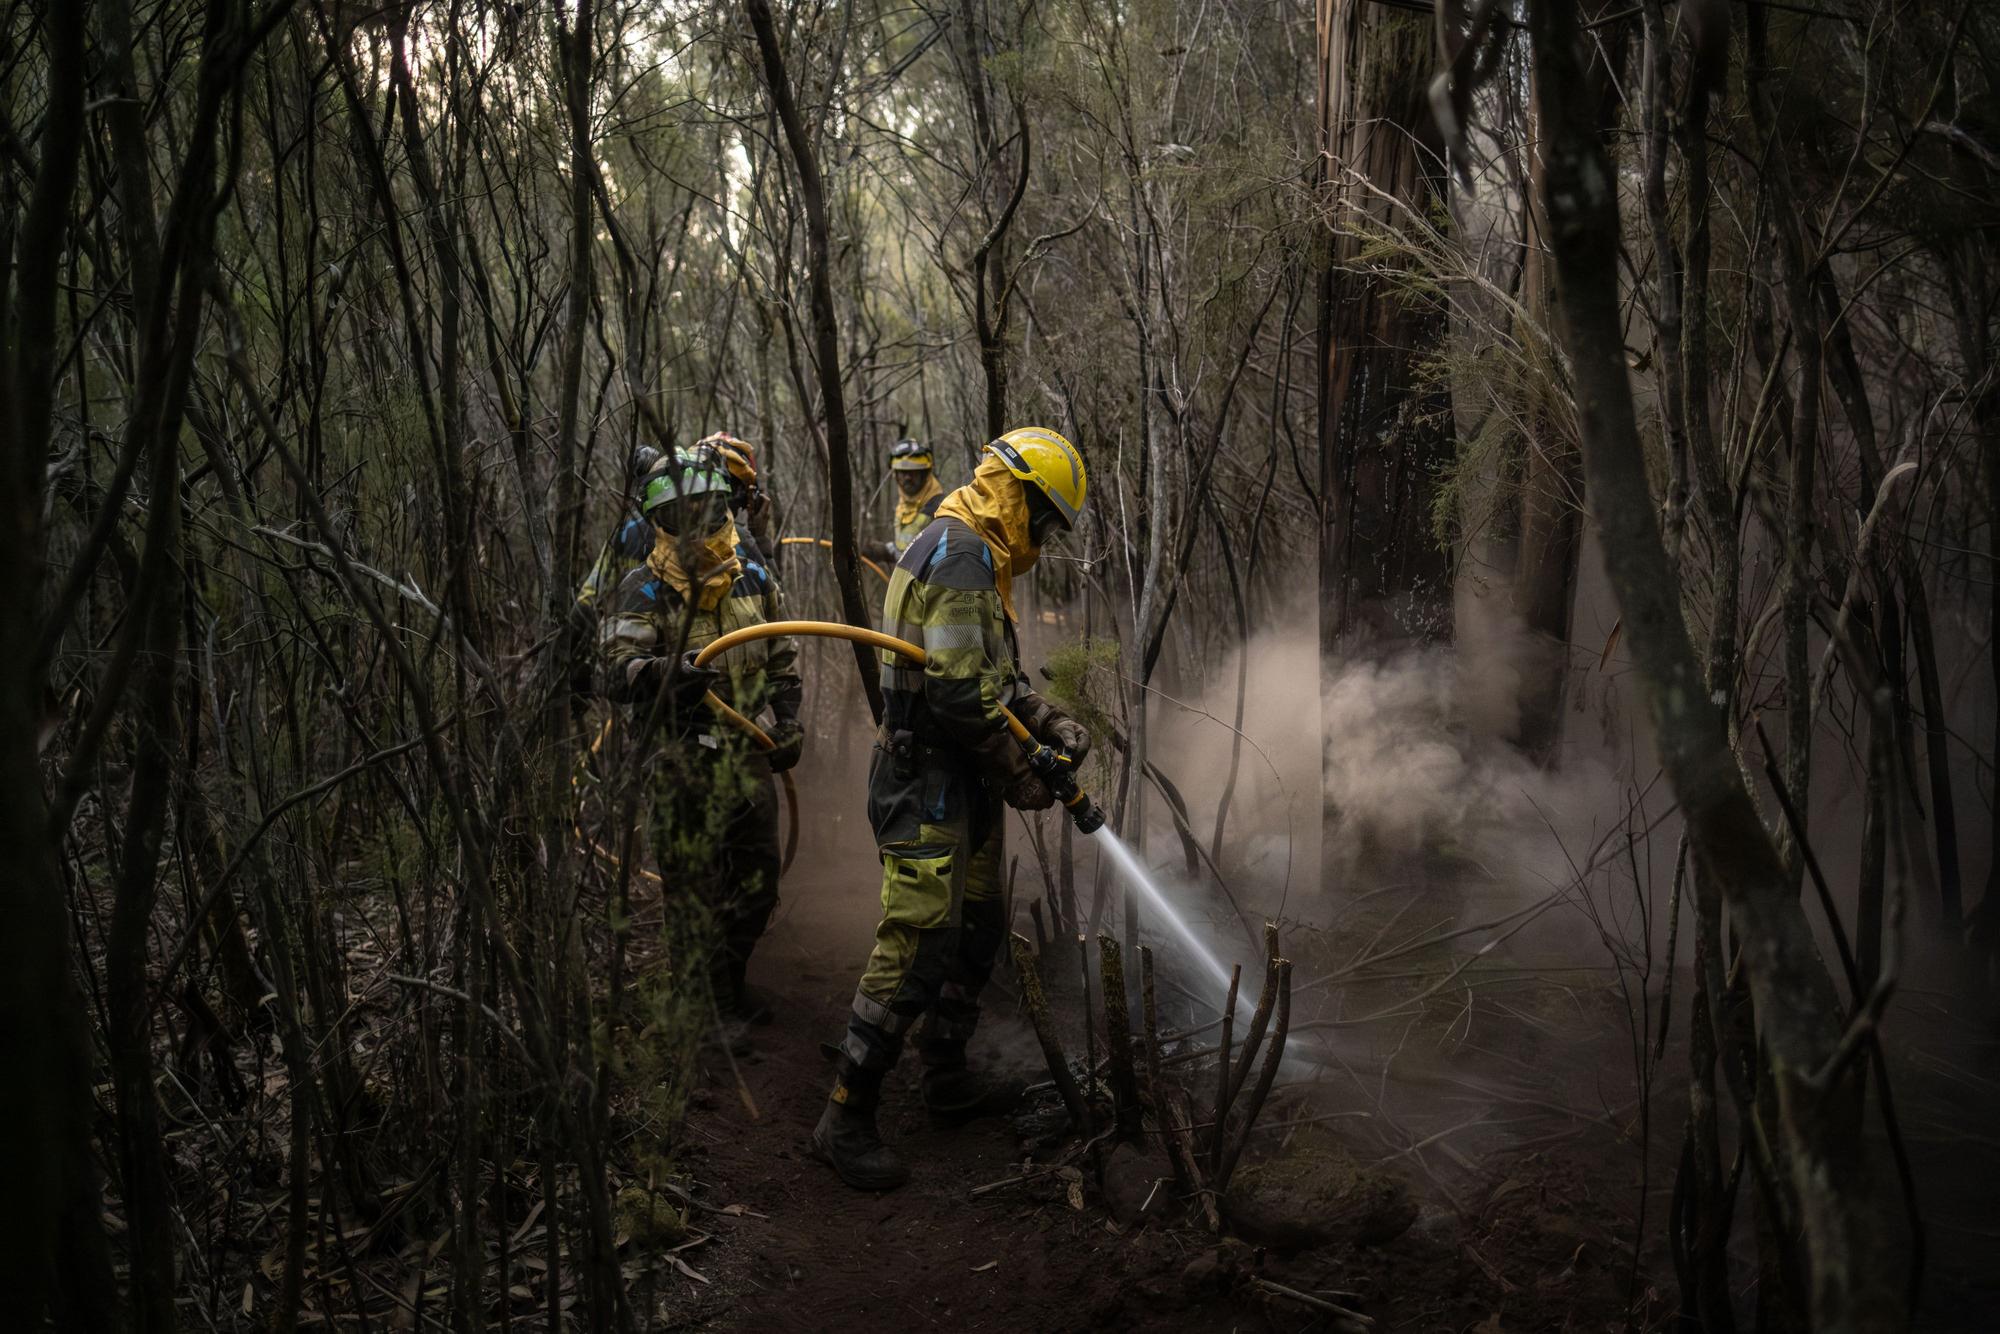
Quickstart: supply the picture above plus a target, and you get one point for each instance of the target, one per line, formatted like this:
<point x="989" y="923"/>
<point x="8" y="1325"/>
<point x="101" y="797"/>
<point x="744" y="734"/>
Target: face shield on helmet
<point x="1044" y="519"/>
<point x="687" y="500"/>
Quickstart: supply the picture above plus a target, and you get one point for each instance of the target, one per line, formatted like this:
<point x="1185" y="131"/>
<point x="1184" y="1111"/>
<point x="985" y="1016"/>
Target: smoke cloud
<point x="1414" y="758"/>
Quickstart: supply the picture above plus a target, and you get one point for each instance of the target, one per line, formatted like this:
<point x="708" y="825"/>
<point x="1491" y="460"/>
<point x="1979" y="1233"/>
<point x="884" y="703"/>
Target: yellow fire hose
<point x="827" y="542"/>
<point x="1055" y="768"/>
<point x="824" y="629"/>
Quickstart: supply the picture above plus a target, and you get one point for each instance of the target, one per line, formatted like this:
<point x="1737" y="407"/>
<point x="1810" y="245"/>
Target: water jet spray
<point x="1134" y="871"/>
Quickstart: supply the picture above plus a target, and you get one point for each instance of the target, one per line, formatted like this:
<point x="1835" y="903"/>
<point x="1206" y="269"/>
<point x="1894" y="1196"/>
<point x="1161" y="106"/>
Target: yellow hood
<point x="911" y="508"/>
<point x="994" y="505"/>
<point x="719" y="565"/>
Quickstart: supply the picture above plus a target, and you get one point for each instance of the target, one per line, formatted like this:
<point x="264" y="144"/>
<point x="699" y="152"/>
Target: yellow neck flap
<point x="718" y="566"/>
<point x="994" y="506"/>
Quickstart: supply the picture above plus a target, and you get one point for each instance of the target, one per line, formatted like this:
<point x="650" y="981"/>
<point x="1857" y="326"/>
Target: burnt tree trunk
<point x="1383" y="577"/>
<point x="54" y="1261"/>
<point x="1385" y="582"/>
<point x="1551" y="515"/>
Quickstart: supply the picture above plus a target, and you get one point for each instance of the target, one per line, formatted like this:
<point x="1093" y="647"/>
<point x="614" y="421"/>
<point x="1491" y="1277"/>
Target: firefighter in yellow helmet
<point x="943" y="771"/>
<point x="917" y="494"/>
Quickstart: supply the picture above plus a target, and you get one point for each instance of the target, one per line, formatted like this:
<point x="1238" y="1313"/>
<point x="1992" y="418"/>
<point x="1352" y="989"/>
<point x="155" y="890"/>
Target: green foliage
<point x="1083" y="680"/>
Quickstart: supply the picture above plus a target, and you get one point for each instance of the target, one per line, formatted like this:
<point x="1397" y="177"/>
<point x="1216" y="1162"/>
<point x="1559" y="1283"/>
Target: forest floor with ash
<point x="1456" y="1141"/>
<point x="1530" y="1239"/>
<point x="1504" y="1122"/>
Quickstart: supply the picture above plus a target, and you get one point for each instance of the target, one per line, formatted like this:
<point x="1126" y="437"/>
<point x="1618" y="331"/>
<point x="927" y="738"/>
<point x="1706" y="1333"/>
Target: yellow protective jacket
<point x="644" y="619"/>
<point x="914" y="513"/>
<point x="951" y="592"/>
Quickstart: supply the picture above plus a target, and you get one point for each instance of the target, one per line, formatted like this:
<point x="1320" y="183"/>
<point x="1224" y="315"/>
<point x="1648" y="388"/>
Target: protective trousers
<point x="940" y="833"/>
<point x="715" y="837"/>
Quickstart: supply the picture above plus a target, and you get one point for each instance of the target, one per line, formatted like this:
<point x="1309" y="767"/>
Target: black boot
<point x="846" y="1137"/>
<point x="954" y="1095"/>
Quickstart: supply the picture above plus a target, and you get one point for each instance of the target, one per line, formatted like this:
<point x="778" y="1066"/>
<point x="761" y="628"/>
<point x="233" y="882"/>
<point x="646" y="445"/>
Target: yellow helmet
<point x="1047" y="462"/>
<point x="909" y="456"/>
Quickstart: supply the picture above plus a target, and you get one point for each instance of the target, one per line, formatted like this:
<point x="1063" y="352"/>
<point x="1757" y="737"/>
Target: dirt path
<point x="807" y="1253"/>
<point x="825" y="1257"/>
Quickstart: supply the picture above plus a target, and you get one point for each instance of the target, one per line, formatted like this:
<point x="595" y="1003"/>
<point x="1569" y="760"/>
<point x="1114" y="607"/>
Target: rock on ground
<point x="1316" y="1194"/>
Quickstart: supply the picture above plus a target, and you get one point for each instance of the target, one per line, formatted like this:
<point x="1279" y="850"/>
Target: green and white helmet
<point x="671" y="479"/>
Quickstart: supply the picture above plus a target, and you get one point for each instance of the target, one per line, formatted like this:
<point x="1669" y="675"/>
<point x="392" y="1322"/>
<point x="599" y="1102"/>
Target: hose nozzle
<point x="1089" y="816"/>
<point x="1058" y="772"/>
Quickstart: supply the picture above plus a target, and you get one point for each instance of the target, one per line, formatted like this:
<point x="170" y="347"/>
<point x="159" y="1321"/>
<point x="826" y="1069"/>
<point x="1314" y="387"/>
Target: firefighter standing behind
<point x="943" y="765"/>
<point x="748" y="501"/>
<point x="917" y="494"/>
<point x="714" y="815"/>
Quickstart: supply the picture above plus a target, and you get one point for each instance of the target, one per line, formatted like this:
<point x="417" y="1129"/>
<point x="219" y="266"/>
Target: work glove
<point x="788" y="743"/>
<point x="788" y="737"/>
<point x="1028" y="793"/>
<point x="1067" y="734"/>
<point x="1001" y="760"/>
<point x="1054" y="727"/>
<point x="765" y="517"/>
<point x="683" y="682"/>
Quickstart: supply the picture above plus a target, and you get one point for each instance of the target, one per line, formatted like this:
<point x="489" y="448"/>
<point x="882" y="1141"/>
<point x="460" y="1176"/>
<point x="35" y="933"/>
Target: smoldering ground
<point x="1496" y="968"/>
<point x="1479" y="976"/>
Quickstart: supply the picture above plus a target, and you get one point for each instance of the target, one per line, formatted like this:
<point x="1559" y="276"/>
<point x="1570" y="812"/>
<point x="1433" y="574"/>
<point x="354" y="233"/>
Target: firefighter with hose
<point x="714" y="815"/>
<point x="945" y="766"/>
